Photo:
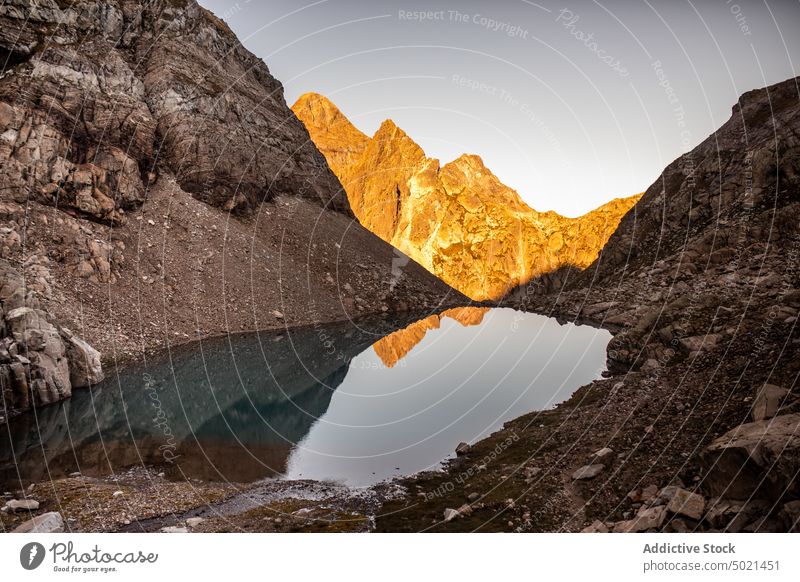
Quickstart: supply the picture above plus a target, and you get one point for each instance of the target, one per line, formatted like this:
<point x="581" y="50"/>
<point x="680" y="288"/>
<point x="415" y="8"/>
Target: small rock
<point x="768" y="401"/>
<point x="23" y="505"/>
<point x="174" y="529"/>
<point x="117" y="493"/>
<point x="530" y="474"/>
<point x="472" y="497"/>
<point x="604" y="452"/>
<point x="462" y="449"/>
<point x="194" y="521"/>
<point x="588" y="472"/>
<point x="277" y="314"/>
<point x="465" y="509"/>
<point x="450" y="514"/>
<point x="686" y="503"/>
<point x="650" y="518"/>
<point x="50" y="522"/>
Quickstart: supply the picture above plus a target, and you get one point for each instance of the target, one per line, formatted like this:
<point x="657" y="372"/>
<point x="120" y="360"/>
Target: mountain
<point x="155" y="187"/>
<point x="700" y="286"/>
<point x="458" y="220"/>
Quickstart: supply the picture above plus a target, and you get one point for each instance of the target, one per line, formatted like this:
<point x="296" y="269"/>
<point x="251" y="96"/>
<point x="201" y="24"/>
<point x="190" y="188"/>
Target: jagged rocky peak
<point x="95" y="92"/>
<point x="458" y="220"/>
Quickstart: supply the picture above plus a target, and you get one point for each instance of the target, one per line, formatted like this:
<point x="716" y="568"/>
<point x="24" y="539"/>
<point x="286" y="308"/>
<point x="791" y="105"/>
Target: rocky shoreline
<point x="614" y="457"/>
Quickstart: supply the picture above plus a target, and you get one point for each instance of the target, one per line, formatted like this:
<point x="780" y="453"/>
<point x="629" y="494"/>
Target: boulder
<point x="755" y="460"/>
<point x="686" y="503"/>
<point x="768" y="401"/>
<point x="85" y="368"/>
<point x="23" y="505"/>
<point x="462" y="449"/>
<point x="588" y="472"/>
<point x="50" y="522"/>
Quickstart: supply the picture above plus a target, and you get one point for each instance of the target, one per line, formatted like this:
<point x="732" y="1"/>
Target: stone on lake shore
<point x="462" y="449"/>
<point x="50" y="522"/>
<point x="23" y="505"/>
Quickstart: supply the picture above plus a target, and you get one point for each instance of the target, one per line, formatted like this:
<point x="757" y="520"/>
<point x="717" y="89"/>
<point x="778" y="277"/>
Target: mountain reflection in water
<point x="313" y="402"/>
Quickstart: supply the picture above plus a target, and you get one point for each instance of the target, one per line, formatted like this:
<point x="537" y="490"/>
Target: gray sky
<point x="570" y="103"/>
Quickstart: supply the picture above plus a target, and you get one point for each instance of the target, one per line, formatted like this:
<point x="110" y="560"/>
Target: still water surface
<point x="353" y="403"/>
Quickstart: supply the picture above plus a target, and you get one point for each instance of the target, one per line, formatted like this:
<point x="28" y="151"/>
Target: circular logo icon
<point x="31" y="555"/>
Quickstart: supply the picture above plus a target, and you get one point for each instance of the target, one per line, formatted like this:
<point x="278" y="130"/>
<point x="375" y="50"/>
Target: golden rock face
<point x="458" y="220"/>
<point x="394" y="347"/>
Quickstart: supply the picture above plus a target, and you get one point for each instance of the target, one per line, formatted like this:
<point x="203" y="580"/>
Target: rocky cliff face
<point x="458" y="220"/>
<point x="40" y="362"/>
<point x="95" y="93"/>
<point x="130" y="134"/>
